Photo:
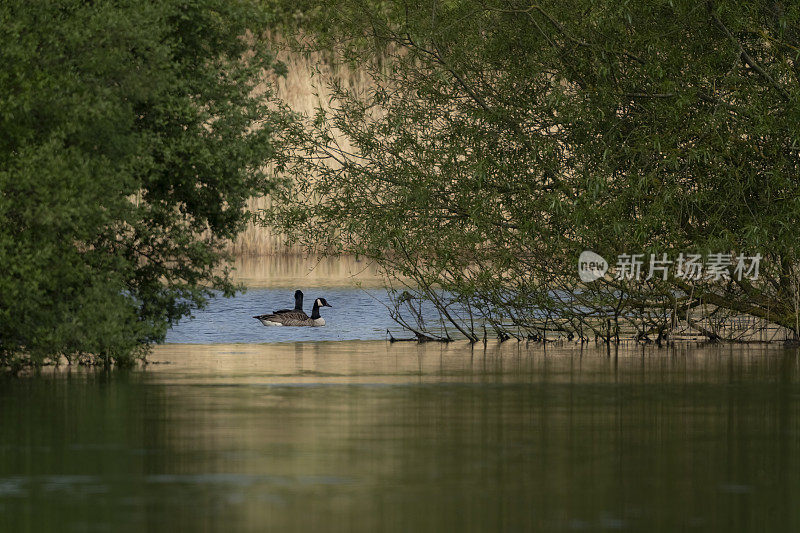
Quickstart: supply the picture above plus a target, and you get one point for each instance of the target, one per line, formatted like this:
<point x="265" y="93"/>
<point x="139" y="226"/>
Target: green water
<point x="369" y="436"/>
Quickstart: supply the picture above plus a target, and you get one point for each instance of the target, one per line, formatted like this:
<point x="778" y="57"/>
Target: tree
<point x="132" y="134"/>
<point x="503" y="138"/>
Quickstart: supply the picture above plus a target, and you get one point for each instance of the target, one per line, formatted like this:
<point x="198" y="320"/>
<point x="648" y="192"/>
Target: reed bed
<point x="283" y="270"/>
<point x="304" y="88"/>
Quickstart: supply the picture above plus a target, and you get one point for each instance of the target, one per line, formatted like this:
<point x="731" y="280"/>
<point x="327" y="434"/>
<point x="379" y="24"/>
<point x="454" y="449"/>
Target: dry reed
<point x="304" y="88"/>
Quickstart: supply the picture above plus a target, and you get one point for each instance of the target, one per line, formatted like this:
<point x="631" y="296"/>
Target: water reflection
<point x="371" y="436"/>
<point x="305" y="271"/>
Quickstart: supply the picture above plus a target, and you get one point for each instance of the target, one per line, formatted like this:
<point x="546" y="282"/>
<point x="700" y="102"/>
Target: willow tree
<point x="131" y="135"/>
<point x="500" y="139"/>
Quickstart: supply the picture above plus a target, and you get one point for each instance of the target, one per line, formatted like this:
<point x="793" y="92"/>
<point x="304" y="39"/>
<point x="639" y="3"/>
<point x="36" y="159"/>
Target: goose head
<point x="322" y="302"/>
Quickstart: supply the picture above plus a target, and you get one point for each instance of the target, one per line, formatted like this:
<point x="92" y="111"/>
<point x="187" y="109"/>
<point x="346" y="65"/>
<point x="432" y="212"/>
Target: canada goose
<point x="296" y="318"/>
<point x="298" y="304"/>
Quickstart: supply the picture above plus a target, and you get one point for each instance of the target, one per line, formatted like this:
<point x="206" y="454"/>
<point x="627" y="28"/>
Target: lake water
<point x="352" y="287"/>
<point x="235" y="429"/>
<point x="372" y="436"/>
<point x="357" y="314"/>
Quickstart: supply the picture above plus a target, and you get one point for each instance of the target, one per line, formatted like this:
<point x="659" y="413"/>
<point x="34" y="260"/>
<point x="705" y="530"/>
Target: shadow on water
<point x="371" y="436"/>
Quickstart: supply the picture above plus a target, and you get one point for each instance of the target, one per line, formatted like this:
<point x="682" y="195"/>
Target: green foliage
<point x="130" y="139"/>
<point x="502" y="138"/>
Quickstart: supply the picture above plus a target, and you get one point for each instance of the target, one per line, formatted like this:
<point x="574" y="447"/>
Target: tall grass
<point x="303" y="89"/>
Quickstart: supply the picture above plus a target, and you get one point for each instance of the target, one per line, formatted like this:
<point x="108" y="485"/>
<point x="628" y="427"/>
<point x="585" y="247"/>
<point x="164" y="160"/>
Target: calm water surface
<point x="354" y="288"/>
<point x="357" y="314"/>
<point x="240" y="427"/>
<point x="368" y="436"/>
